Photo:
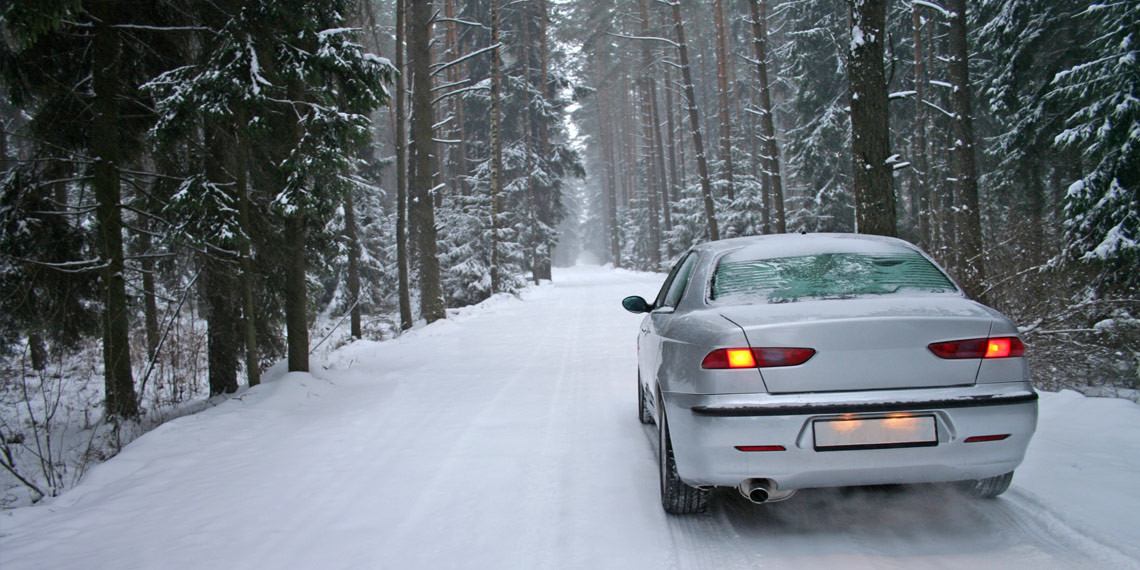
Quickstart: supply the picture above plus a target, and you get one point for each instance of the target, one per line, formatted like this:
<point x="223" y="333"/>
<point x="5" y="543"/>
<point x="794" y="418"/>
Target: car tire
<point x="677" y="497"/>
<point x="643" y="404"/>
<point x="989" y="487"/>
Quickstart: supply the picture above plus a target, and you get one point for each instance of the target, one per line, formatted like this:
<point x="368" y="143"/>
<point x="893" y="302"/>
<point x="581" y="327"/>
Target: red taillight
<point x="1003" y="347"/>
<point x="999" y="347"/>
<point x="772" y="357"/>
<point x="729" y="358"/>
<point x="756" y="357"/>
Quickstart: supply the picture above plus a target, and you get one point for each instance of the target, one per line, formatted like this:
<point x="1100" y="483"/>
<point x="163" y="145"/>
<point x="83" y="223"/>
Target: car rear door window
<point x="675" y="284"/>
<point x="826" y="276"/>
<point x="680" y="281"/>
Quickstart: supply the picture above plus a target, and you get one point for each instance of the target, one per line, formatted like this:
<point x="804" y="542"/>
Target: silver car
<point x="777" y="363"/>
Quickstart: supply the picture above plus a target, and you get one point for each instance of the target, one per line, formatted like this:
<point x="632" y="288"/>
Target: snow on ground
<point x="506" y="437"/>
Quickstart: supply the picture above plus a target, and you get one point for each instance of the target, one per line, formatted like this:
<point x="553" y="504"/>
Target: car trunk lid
<point x="865" y="344"/>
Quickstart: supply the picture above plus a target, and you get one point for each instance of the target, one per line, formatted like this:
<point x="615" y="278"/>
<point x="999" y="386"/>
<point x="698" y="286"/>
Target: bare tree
<point x="653" y="185"/>
<point x="694" y="121"/>
<point x="605" y="125"/>
<point x="723" y="97"/>
<point x="770" y="156"/>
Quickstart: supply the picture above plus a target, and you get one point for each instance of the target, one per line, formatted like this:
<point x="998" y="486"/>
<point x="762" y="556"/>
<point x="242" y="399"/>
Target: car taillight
<point x="999" y="347"/>
<point x="756" y="357"/>
<point x="729" y="358"/>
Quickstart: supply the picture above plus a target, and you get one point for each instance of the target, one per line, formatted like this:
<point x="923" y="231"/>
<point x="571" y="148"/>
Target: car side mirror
<point x="636" y="304"/>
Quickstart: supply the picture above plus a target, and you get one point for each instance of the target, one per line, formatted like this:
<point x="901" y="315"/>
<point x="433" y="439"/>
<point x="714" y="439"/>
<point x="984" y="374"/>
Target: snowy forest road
<point x="506" y="437"/>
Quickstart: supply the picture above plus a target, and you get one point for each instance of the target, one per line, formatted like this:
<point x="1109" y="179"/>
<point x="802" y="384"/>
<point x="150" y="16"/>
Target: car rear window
<point x="826" y="276"/>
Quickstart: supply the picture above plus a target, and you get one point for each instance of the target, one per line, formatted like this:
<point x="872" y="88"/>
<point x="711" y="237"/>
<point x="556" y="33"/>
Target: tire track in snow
<point x="1032" y="515"/>
<point x="549" y="467"/>
<point x="461" y="468"/>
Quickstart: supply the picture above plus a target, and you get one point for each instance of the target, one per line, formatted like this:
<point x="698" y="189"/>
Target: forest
<point x="191" y="192"/>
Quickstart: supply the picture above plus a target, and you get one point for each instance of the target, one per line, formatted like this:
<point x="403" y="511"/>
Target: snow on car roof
<point x="793" y="245"/>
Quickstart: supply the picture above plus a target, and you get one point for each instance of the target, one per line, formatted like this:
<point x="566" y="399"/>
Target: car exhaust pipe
<point x="761" y="491"/>
<point x="756" y="490"/>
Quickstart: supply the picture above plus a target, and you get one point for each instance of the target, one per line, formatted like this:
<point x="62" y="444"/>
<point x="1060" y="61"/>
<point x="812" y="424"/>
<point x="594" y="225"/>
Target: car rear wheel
<point x="643" y="404"/>
<point x="677" y="497"/>
<point x="989" y="487"/>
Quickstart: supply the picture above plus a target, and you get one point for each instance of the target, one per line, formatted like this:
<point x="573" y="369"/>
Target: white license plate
<point x="875" y="433"/>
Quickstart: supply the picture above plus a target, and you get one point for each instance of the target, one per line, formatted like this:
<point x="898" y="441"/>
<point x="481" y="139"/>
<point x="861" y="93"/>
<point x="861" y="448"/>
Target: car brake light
<point x="1002" y="347"/>
<point x="756" y="357"/>
<point x="999" y="347"/>
<point x="729" y="358"/>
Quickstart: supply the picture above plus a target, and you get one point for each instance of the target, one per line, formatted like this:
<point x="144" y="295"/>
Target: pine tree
<point x="59" y="45"/>
<point x="770" y="157"/>
<point x="694" y="122"/>
<point x="969" y="224"/>
<point x="819" y="195"/>
<point x="870" y="135"/>
<point x="422" y="186"/>
<point x="401" y="135"/>
<point x="295" y="85"/>
<point x="1102" y="209"/>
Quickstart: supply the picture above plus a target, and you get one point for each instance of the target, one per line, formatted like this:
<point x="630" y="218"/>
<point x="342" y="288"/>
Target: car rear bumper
<point x="706" y="431"/>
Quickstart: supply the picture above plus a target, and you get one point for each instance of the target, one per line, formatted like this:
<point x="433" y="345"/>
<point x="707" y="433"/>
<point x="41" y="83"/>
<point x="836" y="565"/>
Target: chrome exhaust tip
<point x="761" y="491"/>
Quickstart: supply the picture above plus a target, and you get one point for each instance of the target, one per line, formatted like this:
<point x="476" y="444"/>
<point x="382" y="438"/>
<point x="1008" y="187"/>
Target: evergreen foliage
<point x="1102" y="208"/>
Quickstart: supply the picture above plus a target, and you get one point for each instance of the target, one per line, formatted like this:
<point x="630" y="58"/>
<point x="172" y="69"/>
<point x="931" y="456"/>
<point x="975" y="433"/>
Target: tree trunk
<point x="217" y="286"/>
<point x="37" y="349"/>
<point x="652" y="189"/>
<point x="968" y="211"/>
<point x="459" y="164"/>
<point x="770" y="159"/>
<point x="675" y="182"/>
<point x="353" y="238"/>
<point x="629" y="133"/>
<point x="121" y="399"/>
<point x="528" y="145"/>
<point x="653" y="186"/>
<point x="605" y="125"/>
<point x="870" y="130"/>
<point x="150" y="307"/>
<point x="4" y="163"/>
<point x="659" y="154"/>
<point x="546" y="203"/>
<point x="400" y="129"/>
<point x="921" y="193"/>
<point x="296" y="294"/>
<point x="423" y="195"/>
<point x="249" y="307"/>
<point x="723" y="98"/>
<point x="496" y="147"/>
<point x="695" y="122"/>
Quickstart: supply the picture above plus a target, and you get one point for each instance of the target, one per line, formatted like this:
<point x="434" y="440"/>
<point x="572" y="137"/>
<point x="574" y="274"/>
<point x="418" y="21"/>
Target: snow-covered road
<point x="507" y="437"/>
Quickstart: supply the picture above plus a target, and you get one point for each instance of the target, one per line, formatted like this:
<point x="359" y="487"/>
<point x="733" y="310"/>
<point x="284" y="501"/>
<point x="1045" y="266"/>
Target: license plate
<point x="875" y="433"/>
